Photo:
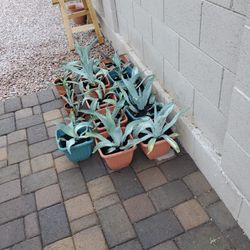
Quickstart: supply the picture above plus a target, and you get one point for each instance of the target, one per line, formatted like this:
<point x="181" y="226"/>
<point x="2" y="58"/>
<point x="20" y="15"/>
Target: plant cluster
<point x="110" y="101"/>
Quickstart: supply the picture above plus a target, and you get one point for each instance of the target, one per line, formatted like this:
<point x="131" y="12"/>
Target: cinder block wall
<point x="200" y="52"/>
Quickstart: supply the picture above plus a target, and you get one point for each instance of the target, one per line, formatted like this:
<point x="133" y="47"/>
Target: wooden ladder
<point x="88" y="11"/>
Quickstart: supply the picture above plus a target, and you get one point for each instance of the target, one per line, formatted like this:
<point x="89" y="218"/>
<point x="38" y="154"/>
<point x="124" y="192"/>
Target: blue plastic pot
<point x="79" y="152"/>
<point x="113" y="74"/>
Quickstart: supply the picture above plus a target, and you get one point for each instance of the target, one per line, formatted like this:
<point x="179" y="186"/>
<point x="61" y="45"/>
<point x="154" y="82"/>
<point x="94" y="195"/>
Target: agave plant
<point x="139" y="98"/>
<point x="118" y="139"/>
<point x="74" y="131"/>
<point x="158" y="127"/>
<point x="89" y="75"/>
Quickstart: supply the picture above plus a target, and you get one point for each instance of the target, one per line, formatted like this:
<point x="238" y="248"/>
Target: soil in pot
<point x="60" y="88"/>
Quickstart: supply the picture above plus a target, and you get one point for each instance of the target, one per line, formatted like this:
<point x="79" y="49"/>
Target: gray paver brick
<point x="20" y="206"/>
<point x="106" y="201"/>
<point x="17" y="136"/>
<point x="12" y="104"/>
<point x="131" y="245"/>
<point x="42" y="162"/>
<point x="208" y="198"/>
<point x="72" y="183"/>
<point x="93" y="168"/>
<point x="201" y="237"/>
<point x="11" y="233"/>
<point x="7" y="125"/>
<point x="42" y="147"/>
<point x="23" y="113"/>
<point x="18" y="152"/>
<point x="9" y="173"/>
<point x="158" y="228"/>
<point x="29" y="100"/>
<point x="45" y="95"/>
<point x="3" y="141"/>
<point x="31" y="244"/>
<point x="54" y="224"/>
<point x="3" y="163"/>
<point x="37" y="110"/>
<point x="169" y="195"/>
<point x="221" y="216"/>
<point x="178" y="168"/>
<point x="126" y="183"/>
<point x="121" y="229"/>
<point x="37" y="133"/>
<point x="29" y="121"/>
<point x="39" y="180"/>
<point x="56" y="104"/>
<point x="168" y="245"/>
<point x="1" y="108"/>
<point x="25" y="168"/>
<point x="10" y="190"/>
<point x="31" y="225"/>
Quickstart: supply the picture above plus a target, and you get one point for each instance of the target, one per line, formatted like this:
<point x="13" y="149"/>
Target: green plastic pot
<point x="79" y="152"/>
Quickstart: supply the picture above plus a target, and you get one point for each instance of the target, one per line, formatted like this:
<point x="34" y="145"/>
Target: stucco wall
<point x="200" y="53"/>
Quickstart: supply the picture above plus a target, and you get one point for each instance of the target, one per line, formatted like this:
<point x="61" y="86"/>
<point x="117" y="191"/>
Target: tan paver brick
<point x="17" y="136"/>
<point x="64" y="244"/>
<point x="90" y="239"/>
<point x="3" y="154"/>
<point x="42" y="162"/>
<point x="53" y="122"/>
<point x="100" y="187"/>
<point x="152" y="178"/>
<point x="48" y="196"/>
<point x="25" y="168"/>
<point x="106" y="201"/>
<point x="62" y="163"/>
<point x="79" y="206"/>
<point x="190" y="214"/>
<point x="52" y="115"/>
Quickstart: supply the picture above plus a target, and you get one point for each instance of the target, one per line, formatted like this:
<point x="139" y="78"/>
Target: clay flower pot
<point x="119" y="160"/>
<point x="75" y="7"/>
<point x="161" y="148"/>
<point x="107" y="64"/>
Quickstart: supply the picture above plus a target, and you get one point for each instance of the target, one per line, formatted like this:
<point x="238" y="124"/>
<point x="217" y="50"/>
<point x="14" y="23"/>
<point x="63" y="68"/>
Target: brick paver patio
<point x="47" y="202"/>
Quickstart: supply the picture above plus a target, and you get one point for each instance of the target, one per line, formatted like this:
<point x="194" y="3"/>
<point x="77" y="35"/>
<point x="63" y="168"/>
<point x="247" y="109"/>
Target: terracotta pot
<point x="60" y="89"/>
<point x="107" y="64"/>
<point x="75" y="98"/>
<point x="161" y="148"/>
<point x="67" y="109"/>
<point x="124" y="122"/>
<point x="120" y="159"/>
<point x="75" y="7"/>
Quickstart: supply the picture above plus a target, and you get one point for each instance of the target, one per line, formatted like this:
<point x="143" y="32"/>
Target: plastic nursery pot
<point x="100" y="129"/>
<point x="119" y="160"/>
<point x="161" y="148"/>
<point x="79" y="152"/>
<point x="75" y="7"/>
<point x="114" y="78"/>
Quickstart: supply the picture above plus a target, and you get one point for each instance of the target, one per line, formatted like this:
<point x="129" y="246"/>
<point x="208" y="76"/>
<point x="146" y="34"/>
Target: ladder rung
<point x="78" y="14"/>
<point x="83" y="28"/>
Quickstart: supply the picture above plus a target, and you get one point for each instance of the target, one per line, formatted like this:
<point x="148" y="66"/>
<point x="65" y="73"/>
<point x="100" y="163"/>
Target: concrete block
<point x="201" y="71"/>
<point x="183" y="16"/>
<point x="243" y="72"/>
<point x="143" y="22"/>
<point x="235" y="163"/>
<point x="224" y="3"/>
<point x="221" y="32"/>
<point x="178" y="86"/>
<point x="240" y="6"/>
<point x="228" y="83"/>
<point x="239" y="119"/>
<point x="209" y="120"/>
<point x="123" y="27"/>
<point x="244" y="217"/>
<point x="136" y="41"/>
<point x="153" y="59"/>
<point x="155" y="8"/>
<point x="166" y="41"/>
<point x="126" y="10"/>
<point x="209" y="164"/>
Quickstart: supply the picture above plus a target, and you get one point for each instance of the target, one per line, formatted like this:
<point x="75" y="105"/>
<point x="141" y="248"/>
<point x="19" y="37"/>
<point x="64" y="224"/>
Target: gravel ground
<point x="33" y="46"/>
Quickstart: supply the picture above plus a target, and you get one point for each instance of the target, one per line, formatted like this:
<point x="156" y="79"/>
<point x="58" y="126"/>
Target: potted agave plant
<point x="119" y="70"/>
<point x="116" y="145"/>
<point x="62" y="84"/>
<point x="117" y="114"/>
<point x="109" y="63"/>
<point x="72" y="140"/>
<point x="89" y="76"/>
<point x="139" y="98"/>
<point x="71" y="103"/>
<point x="156" y="134"/>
